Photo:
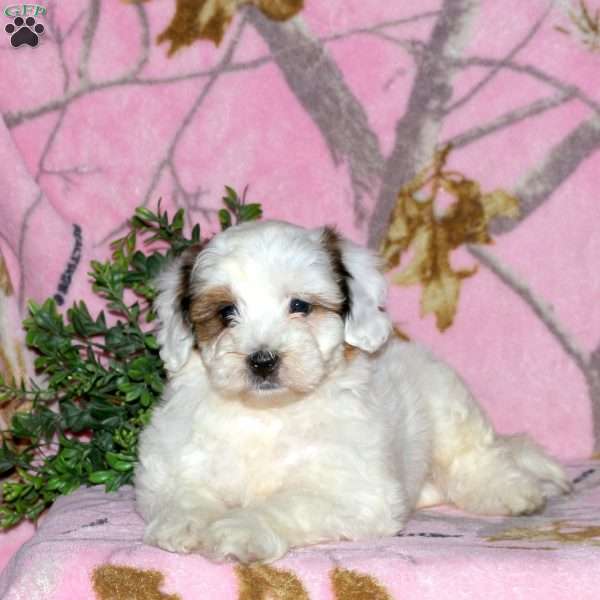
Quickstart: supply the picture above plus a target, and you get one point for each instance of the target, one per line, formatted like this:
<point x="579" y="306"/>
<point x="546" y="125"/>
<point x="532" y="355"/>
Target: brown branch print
<point x="417" y="131"/>
<point x="319" y="86"/>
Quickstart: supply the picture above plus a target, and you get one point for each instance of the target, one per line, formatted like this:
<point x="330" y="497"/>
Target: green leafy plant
<point x="101" y="374"/>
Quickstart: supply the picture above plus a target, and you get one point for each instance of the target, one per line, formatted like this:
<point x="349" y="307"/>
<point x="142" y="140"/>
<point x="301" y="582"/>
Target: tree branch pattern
<point x="316" y="81"/>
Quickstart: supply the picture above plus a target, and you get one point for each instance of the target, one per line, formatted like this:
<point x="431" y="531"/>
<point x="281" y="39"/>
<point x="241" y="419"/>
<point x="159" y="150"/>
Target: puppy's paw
<point x="520" y="494"/>
<point x="510" y="492"/>
<point x="513" y="476"/>
<point x="531" y="479"/>
<point x="549" y="473"/>
<point x="174" y="534"/>
<point x="244" y="536"/>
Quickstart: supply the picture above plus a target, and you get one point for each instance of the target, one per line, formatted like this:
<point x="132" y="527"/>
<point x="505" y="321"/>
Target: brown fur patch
<point x="323" y="304"/>
<point x="331" y="242"/>
<point x="350" y="352"/>
<point x="184" y="293"/>
<point x="204" y="312"/>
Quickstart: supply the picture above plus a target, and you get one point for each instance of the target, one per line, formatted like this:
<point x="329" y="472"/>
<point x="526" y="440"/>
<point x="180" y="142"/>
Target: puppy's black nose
<point x="263" y="362"/>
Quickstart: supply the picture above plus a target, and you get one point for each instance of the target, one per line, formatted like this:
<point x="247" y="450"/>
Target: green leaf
<point x="224" y="219"/>
<point x="177" y="223"/>
<point x="23" y="425"/>
<point x="250" y="212"/>
<point x="7" y="459"/>
<point x="231" y="200"/>
<point x="119" y="462"/>
<point x="11" y="491"/>
<point x="145" y="214"/>
<point x="151" y="342"/>
<point x="101" y="477"/>
<point x="146" y="398"/>
<point x="196" y="234"/>
<point x="134" y="394"/>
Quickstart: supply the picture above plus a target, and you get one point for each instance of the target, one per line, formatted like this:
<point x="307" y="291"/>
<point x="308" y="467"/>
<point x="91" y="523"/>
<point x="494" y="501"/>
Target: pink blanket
<point x="327" y="117"/>
<point x="89" y="546"/>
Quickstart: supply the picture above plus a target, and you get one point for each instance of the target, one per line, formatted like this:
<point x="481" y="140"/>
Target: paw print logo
<point x="24" y="31"/>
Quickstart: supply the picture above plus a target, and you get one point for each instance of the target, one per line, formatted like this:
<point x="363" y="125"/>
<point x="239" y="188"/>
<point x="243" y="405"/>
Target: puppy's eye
<point x="300" y="306"/>
<point x="227" y="313"/>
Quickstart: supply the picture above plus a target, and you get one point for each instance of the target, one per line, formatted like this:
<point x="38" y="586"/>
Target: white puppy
<point x="290" y="419"/>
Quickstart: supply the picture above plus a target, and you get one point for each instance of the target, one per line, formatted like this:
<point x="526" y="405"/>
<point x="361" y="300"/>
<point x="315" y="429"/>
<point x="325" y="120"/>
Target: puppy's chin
<point x="265" y="395"/>
<point x="267" y="386"/>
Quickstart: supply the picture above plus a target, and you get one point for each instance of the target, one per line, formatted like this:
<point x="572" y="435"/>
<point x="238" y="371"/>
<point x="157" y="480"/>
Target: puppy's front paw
<point x="181" y="534"/>
<point x="244" y="536"/>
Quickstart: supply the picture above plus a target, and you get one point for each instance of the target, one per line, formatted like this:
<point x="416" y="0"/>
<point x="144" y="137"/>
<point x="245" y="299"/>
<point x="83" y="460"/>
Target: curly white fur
<point x="344" y="445"/>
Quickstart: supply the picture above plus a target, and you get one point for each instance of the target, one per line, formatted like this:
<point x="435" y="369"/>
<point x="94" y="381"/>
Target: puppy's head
<point x="269" y="306"/>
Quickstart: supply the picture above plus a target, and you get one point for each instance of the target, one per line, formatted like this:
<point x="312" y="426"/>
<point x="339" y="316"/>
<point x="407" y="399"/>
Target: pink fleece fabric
<point x="322" y="117"/>
<point x="442" y="554"/>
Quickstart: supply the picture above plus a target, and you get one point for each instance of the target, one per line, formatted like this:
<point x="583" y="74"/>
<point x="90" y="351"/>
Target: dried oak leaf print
<point x="209" y="19"/>
<point x="115" y="582"/>
<point x="418" y="225"/>
<point x="263" y="582"/>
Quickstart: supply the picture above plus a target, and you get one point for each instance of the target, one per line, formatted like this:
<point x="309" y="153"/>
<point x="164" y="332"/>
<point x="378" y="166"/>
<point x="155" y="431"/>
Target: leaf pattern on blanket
<point x="559" y="531"/>
<point x="418" y="224"/>
<point x="351" y="585"/>
<point x="92" y="523"/>
<point x="117" y="582"/>
<point x="256" y="582"/>
<point x="209" y="19"/>
<point x="262" y="582"/>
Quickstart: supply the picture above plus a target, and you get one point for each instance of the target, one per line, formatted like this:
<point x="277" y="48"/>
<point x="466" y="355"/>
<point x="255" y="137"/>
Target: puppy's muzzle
<point x="263" y="363"/>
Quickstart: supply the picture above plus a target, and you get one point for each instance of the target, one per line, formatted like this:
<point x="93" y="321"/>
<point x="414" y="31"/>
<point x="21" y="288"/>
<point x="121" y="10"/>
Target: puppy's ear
<point x="172" y="304"/>
<point x="364" y="288"/>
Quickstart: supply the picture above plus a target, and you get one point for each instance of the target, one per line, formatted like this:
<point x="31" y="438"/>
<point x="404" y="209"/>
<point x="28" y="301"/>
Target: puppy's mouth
<point x="264" y="385"/>
<point x="268" y="394"/>
<point x="267" y="386"/>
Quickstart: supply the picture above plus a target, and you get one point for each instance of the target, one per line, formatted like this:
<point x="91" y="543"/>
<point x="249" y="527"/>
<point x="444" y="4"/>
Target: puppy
<point x="291" y="417"/>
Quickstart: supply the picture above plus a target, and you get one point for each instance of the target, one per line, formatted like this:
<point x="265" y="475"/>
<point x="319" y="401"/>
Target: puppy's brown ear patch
<point x="204" y="312"/>
<point x="322" y="305"/>
<point x="331" y="241"/>
<point x="184" y="291"/>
